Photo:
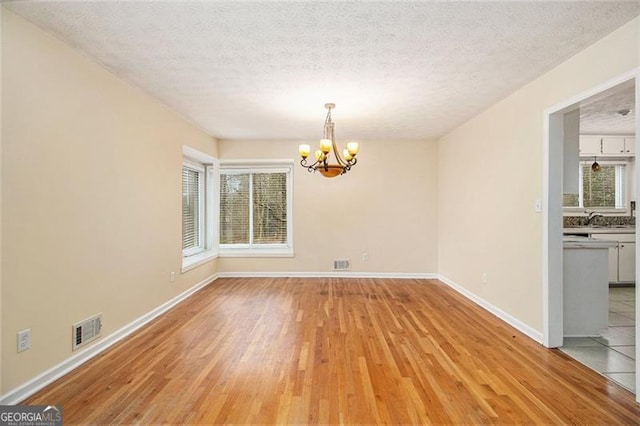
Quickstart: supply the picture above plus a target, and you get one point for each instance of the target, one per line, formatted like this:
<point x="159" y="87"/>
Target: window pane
<point x="234" y="209"/>
<point x="570" y="200"/>
<point x="190" y="208"/>
<point x="270" y="208"/>
<point x="599" y="188"/>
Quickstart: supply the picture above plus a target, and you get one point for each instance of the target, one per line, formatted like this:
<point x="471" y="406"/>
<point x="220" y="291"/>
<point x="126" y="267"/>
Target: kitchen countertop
<point x="584" y="230"/>
<point x="574" y="241"/>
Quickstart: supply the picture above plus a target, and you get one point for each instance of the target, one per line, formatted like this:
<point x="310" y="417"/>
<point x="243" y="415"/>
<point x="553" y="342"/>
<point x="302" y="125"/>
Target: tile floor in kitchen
<point x="614" y="353"/>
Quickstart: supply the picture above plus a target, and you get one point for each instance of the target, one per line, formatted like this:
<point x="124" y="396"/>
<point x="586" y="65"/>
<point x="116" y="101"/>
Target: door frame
<point x="553" y="123"/>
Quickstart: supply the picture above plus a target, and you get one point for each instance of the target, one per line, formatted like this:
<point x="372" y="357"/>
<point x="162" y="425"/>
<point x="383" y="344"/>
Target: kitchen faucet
<point x="592" y="216"/>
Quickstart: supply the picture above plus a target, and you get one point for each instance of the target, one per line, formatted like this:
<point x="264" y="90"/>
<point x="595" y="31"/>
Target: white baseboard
<point x="27" y="389"/>
<point x="332" y="274"/>
<point x="514" y="322"/>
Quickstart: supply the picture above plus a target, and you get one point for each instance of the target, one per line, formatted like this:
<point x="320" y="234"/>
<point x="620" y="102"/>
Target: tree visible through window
<point x="253" y="208"/>
<point x="599" y="188"/>
<point x="269" y="208"/>
<point x="604" y="189"/>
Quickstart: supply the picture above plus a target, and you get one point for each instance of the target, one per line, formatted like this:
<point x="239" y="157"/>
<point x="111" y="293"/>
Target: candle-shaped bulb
<point x="304" y="150"/>
<point x="347" y="156"/>
<point x="352" y="147"/>
<point x="325" y="145"/>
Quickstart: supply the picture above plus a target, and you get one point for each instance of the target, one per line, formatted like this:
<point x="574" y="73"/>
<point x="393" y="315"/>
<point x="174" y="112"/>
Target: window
<point x="198" y="183"/>
<point x="605" y="189"/>
<point x="255" y="209"/>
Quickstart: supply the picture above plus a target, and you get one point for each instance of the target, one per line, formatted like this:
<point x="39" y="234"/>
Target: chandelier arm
<point x="339" y="158"/>
<point x="312" y="167"/>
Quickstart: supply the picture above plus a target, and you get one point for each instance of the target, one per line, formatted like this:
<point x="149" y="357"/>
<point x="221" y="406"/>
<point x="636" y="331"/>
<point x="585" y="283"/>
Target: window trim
<point x="209" y="218"/>
<point x="629" y="170"/>
<point x="254" y="167"/>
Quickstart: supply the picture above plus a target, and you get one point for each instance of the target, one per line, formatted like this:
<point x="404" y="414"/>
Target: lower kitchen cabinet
<point x="622" y="257"/>
<point x="626" y="262"/>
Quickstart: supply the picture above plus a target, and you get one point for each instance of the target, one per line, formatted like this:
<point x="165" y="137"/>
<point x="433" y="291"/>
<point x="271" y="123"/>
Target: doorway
<point x="553" y="224"/>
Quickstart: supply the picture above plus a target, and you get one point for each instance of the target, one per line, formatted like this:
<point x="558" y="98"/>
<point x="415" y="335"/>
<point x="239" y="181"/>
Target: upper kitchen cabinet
<point x="630" y="145"/>
<point x="590" y="145"/>
<point x="607" y="146"/>
<point x="613" y="145"/>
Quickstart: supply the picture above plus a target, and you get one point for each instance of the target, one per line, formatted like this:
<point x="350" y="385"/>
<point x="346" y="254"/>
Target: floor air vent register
<point x="341" y="265"/>
<point x="86" y="331"/>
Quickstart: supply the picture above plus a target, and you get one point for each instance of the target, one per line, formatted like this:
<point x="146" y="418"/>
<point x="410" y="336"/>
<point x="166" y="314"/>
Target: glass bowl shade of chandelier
<point x="342" y="161"/>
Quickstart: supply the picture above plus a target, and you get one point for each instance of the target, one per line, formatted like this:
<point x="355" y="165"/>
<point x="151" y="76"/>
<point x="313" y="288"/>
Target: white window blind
<point x="253" y="208"/>
<point x="620" y="189"/>
<point x="192" y="209"/>
<point x="604" y="189"/>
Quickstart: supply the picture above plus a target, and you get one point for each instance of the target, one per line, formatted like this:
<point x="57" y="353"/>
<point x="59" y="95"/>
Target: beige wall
<point x="91" y="206"/>
<point x="386" y="207"/>
<point x="490" y="174"/>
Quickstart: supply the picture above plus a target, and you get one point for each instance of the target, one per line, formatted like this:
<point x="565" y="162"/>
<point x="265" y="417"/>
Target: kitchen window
<point x="256" y="209"/>
<point x="604" y="190"/>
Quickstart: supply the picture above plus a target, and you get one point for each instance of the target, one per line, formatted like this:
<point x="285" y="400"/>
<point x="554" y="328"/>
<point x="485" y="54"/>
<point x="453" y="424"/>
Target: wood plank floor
<point x="331" y="351"/>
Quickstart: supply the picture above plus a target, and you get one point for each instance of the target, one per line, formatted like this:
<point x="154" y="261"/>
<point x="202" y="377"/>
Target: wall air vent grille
<point x="341" y="265"/>
<point x="86" y="331"/>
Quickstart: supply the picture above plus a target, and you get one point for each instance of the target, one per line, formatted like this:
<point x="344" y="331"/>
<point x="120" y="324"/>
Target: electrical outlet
<point x="24" y="340"/>
<point x="484" y="278"/>
<point x="365" y="256"/>
<point x="172" y="276"/>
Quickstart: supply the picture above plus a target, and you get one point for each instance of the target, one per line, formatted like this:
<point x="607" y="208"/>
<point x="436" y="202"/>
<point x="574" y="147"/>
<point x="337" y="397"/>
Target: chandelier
<point x="343" y="162"/>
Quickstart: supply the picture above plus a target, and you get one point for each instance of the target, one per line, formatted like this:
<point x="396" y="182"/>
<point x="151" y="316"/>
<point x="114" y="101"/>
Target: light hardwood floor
<point x="353" y="351"/>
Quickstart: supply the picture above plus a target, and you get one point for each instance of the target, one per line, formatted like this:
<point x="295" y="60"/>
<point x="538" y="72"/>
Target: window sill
<point x="256" y="252"/>
<point x="191" y="262"/>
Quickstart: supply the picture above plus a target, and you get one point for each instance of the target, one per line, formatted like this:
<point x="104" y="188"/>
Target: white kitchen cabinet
<point x="607" y="146"/>
<point x="622" y="257"/>
<point x="613" y="145"/>
<point x="630" y="145"/>
<point x="613" y="264"/>
<point x="627" y="262"/>
<point x="590" y="146"/>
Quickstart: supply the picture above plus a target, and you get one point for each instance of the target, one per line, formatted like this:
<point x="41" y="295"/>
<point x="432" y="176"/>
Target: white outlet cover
<point x="24" y="340"/>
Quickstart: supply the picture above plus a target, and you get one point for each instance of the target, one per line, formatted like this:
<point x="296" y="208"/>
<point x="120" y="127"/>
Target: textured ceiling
<point x="396" y="70"/>
<point x="599" y="114"/>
